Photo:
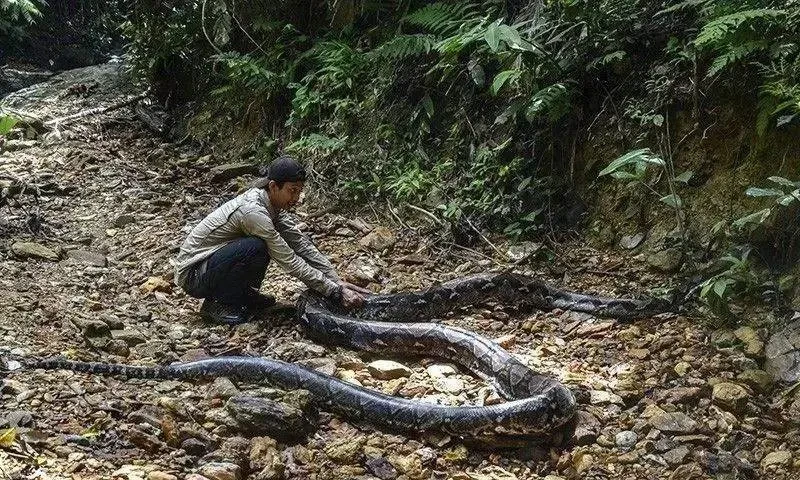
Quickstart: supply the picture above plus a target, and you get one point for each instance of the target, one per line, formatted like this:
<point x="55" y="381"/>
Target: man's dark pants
<point x="230" y="272"/>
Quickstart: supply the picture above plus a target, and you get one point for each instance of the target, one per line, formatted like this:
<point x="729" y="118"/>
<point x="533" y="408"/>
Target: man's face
<point x="287" y="196"/>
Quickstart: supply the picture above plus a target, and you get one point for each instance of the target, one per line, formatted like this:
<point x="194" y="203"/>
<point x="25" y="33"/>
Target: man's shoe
<point x="218" y="312"/>
<point x="258" y="301"/>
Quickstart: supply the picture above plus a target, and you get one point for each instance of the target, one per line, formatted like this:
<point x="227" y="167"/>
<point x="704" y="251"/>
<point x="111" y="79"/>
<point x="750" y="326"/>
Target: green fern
<point x="736" y="54"/>
<point x="244" y="71"/>
<point x="20" y="10"/>
<point x="716" y="32"/>
<point x="405" y="46"/>
<point x="316" y="143"/>
<point x="445" y="18"/>
<point x="684" y="5"/>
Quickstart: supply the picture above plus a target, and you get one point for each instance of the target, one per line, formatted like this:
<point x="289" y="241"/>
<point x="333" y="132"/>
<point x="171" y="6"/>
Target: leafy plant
<point x="737" y="279"/>
<point x="7" y="122"/>
<point x="17" y="14"/>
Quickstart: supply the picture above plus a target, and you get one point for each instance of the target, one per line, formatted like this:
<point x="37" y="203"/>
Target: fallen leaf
<point x="7" y="437"/>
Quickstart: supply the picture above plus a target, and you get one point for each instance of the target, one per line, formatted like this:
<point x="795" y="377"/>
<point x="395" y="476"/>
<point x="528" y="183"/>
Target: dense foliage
<point x="477" y="111"/>
<point x="468" y="107"/>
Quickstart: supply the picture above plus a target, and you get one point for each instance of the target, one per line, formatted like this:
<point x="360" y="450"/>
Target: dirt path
<point x="660" y="398"/>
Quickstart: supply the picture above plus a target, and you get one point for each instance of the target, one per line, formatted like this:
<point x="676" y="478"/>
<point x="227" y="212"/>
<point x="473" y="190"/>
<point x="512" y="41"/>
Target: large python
<point x="539" y="408"/>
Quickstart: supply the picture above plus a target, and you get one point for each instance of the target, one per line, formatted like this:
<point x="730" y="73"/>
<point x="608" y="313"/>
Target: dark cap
<point x="286" y="169"/>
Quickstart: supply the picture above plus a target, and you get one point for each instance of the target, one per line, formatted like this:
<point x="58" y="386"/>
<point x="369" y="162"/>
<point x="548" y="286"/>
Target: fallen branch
<point x="483" y="237"/>
<point x="429" y="214"/>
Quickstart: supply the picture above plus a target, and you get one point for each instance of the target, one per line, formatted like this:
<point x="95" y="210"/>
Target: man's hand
<point x="355" y="288"/>
<point x="351" y="298"/>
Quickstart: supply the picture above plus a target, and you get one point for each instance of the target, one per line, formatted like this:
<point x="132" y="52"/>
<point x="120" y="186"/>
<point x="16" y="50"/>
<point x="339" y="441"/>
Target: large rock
<point x="757" y="379"/>
<point x="91" y="328"/>
<point x="753" y="345"/>
<point x="626" y="439"/>
<point x="379" y="239"/>
<point x="222" y="387"/>
<point x="223" y="173"/>
<point x="34" y="250"/>
<point x="730" y="396"/>
<point x="782" y="354"/>
<point x="673" y="422"/>
<point x="221" y="471"/>
<point x="666" y="261"/>
<point x="587" y="430"/>
<point x="262" y="416"/>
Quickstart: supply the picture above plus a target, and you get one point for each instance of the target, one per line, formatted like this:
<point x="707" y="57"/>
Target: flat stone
<point x="266" y="459"/>
<point x="451" y="385"/>
<point x="195" y="447"/>
<point x="19" y="418"/>
<point x="682" y="368"/>
<point x="673" y="422"/>
<point x="222" y="387"/>
<point x="689" y="471"/>
<point x="228" y="171"/>
<point x="522" y="251"/>
<point x="34" y="250"/>
<point x="262" y="416"/>
<point x="84" y="257"/>
<point x="159" y="475"/>
<point x="630" y="242"/>
<point x="781" y="457"/>
<point x="730" y="396"/>
<point x="639" y="353"/>
<point x="582" y="462"/>
<point x="679" y="395"/>
<point x="506" y="341"/>
<point x="388" y="369"/>
<point x="677" y="455"/>
<point x="155" y="284"/>
<point x="129" y="335"/>
<point x="587" y="430"/>
<point x="221" y="471"/>
<point x="439" y="370"/>
<point x="694" y="439"/>
<point x="601" y="397"/>
<point x="652" y="410"/>
<point x="146" y="441"/>
<point x="345" y="450"/>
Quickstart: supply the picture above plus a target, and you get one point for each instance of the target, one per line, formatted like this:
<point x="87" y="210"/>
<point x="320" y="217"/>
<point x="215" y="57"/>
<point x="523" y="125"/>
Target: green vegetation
<point x="501" y="114"/>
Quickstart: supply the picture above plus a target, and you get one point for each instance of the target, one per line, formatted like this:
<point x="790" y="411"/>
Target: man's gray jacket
<point x="251" y="215"/>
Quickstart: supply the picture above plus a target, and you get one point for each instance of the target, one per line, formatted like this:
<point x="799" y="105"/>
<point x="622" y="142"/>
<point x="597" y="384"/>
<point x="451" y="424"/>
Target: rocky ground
<point x="85" y="271"/>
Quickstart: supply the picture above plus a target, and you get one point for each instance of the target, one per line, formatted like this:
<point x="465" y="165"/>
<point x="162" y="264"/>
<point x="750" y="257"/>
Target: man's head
<point x="285" y="180"/>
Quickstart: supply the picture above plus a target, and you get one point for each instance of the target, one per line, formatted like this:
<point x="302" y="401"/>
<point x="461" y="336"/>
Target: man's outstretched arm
<point x="258" y="224"/>
<point x="305" y="248"/>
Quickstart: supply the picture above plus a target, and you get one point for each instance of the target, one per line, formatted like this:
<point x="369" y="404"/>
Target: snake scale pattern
<point x="538" y="409"/>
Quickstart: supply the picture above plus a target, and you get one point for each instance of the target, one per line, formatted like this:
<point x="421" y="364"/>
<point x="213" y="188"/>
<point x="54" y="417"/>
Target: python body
<point x="539" y="408"/>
